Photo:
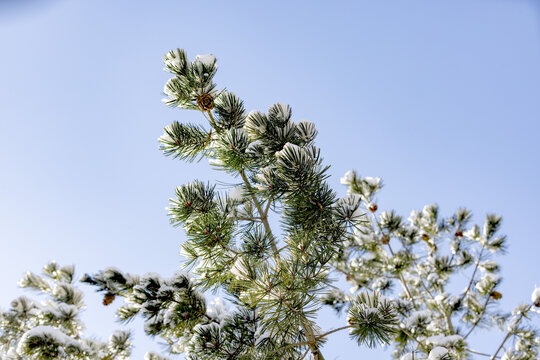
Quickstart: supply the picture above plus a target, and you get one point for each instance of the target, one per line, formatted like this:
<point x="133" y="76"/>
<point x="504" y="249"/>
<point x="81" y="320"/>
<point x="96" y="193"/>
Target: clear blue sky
<point x="440" y="98"/>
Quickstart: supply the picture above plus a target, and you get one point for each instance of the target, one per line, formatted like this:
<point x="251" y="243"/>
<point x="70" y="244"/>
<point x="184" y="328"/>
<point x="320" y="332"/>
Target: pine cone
<point x="108" y="298"/>
<point x="205" y="102"/>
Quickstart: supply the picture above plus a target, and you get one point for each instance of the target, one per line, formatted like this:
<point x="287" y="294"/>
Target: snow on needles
<point x="206" y="59"/>
<point x="535" y="296"/>
<point x="438" y="353"/>
<point x="348" y="178"/>
<point x="217" y="309"/>
<point x="237" y="193"/>
<point x="445" y="341"/>
<point x="48" y="334"/>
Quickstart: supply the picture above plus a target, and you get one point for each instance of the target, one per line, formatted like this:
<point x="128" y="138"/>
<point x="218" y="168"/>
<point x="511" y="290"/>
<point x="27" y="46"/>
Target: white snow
<point x="381" y="283"/>
<point x="371" y="310"/>
<point x="439" y="299"/>
<point x="487" y="282"/>
<point x="306" y="129"/>
<point x="416" y="318"/>
<point x="168" y="89"/>
<point x="172" y="58"/>
<point x="290" y="146"/>
<point x="255" y="113"/>
<point x="182" y="344"/>
<point x="473" y="233"/>
<point x="414" y="217"/>
<point x="348" y="178"/>
<point x="446" y="341"/>
<point x="535" y="296"/>
<point x="237" y="193"/>
<point x="152" y="276"/>
<point x="369" y="256"/>
<point x="206" y="89"/>
<point x="253" y="145"/>
<point x="215" y="162"/>
<point x="374" y="182"/>
<point x="48" y="332"/>
<point x="150" y="323"/>
<point x="206" y="59"/>
<point x="350" y="206"/>
<point x="217" y="309"/>
<point x="437" y="353"/>
<point x="283" y="111"/>
<point x="61" y="310"/>
<point x="166" y="137"/>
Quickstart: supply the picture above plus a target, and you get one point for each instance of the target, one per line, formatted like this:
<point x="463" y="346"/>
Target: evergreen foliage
<point x="277" y="280"/>
<point x="425" y="257"/>
<point x="52" y="329"/>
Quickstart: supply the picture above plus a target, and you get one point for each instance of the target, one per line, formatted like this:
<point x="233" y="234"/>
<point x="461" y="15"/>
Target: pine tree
<point x="275" y="242"/>
<point x="52" y="329"/>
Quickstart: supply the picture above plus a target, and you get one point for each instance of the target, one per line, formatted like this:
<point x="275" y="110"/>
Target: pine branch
<point x="510" y="332"/>
<point x="474" y="273"/>
<point x="262" y="214"/>
<point x="400" y="276"/>
<point x="484" y="307"/>
<point x="402" y="279"/>
<point x="312" y="343"/>
<point x="447" y="318"/>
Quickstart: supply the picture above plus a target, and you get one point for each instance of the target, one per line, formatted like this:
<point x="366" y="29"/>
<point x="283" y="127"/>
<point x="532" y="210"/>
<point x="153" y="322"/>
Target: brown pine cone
<point x="205" y="102"/>
<point x="108" y="298"/>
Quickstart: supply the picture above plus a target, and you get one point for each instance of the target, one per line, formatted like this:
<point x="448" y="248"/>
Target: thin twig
<point x="478" y="353"/>
<point x="401" y="278"/>
<point x="479" y="318"/>
<point x="473" y="274"/>
<point x="332" y="331"/>
<point x="267" y="208"/>
<point x="447" y="318"/>
<point x="264" y="219"/>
